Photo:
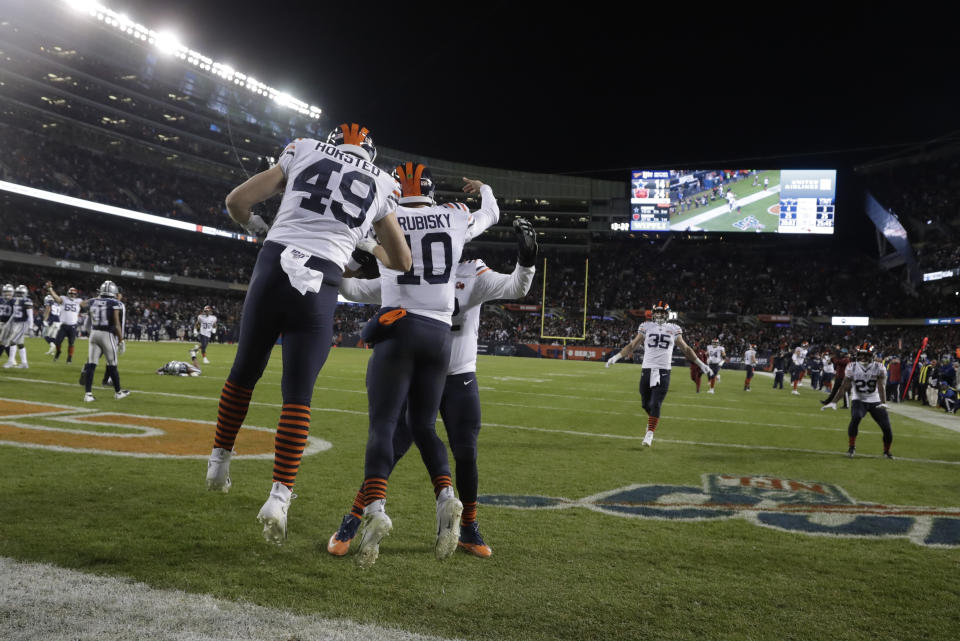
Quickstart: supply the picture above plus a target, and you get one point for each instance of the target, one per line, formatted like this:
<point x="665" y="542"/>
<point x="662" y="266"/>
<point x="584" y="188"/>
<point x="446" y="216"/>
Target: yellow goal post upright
<point x="543" y="307"/>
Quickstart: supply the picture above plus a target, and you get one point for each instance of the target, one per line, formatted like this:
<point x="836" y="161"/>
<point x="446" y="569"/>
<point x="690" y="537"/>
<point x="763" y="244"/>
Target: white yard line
<point x="41" y="601"/>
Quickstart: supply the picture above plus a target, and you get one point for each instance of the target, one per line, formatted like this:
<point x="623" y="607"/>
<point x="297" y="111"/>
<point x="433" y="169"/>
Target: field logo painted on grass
<point x="75" y="429"/>
<point x="805" y="507"/>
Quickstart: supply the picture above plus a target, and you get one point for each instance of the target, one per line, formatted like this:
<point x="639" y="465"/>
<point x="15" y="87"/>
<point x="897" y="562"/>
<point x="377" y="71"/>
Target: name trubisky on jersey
<point x="429" y="221"/>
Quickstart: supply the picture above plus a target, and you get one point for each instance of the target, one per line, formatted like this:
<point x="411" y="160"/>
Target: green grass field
<point x="757" y="209"/>
<point x="649" y="563"/>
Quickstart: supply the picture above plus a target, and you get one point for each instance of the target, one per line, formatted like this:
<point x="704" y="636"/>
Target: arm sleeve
<point x="29" y="317"/>
<point x="492" y="285"/>
<point x="360" y="290"/>
<point x="486" y="216"/>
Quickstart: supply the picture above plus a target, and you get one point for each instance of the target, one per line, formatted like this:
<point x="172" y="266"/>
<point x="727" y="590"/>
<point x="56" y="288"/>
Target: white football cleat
<point x="449" y="509"/>
<point x="710" y="391"/>
<point x="206" y="361"/>
<point x="23" y="366"/>
<point x="218" y="470"/>
<point x="9" y="364"/>
<point x="795" y="392"/>
<point x="121" y="394"/>
<point x="648" y="438"/>
<point x="88" y="398"/>
<point x="273" y="514"/>
<point x="376" y="525"/>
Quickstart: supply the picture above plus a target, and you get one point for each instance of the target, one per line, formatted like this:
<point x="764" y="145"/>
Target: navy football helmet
<point x="353" y="139"/>
<point x="416" y="183"/>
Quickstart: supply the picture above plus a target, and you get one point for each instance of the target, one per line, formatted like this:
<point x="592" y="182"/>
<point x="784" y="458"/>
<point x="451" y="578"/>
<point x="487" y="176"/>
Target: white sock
<point x="23" y="355"/>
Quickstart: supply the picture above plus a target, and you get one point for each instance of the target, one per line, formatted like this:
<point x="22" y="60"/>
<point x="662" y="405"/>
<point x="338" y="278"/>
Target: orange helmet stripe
<point x="353" y="134"/>
<point x="410" y="175"/>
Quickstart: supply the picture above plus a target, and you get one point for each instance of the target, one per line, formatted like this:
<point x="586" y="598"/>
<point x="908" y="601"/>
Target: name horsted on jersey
<point x="347" y="158"/>
<point x="430" y="221"/>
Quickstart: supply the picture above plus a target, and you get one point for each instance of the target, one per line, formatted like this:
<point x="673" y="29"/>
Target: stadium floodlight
<point x="82" y="6"/>
<point x="166" y="42"/>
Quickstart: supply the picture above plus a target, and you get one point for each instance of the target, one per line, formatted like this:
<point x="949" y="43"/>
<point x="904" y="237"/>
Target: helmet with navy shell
<point x="353" y="139"/>
<point x="660" y="312"/>
<point x="416" y="183"/>
<point x="865" y="352"/>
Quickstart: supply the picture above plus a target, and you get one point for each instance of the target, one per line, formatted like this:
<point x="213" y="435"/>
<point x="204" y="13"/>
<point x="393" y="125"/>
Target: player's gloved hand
<point x="366" y="244"/>
<point x="122" y="347"/>
<point x="526" y="242"/>
<point x="613" y="359"/>
<point x="364" y="264"/>
<point x="883" y="405"/>
<point x="832" y="406"/>
<point x="705" y="369"/>
<point x="256" y="226"/>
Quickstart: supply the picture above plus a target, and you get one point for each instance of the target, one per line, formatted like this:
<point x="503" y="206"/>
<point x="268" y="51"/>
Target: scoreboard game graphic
<point x="786" y="201"/>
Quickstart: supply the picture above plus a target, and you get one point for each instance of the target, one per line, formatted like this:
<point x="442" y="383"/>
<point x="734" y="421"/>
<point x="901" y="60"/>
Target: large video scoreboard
<point x="785" y="201"/>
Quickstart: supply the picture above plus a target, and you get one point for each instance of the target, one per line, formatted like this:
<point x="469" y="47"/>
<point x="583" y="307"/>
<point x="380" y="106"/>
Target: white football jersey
<point x="750" y="357"/>
<point x="208" y="324"/>
<point x="658" y="342"/>
<point x="331" y="200"/>
<point x="715" y="353"/>
<point x="54" y="316"/>
<point x="828" y="365"/>
<point x="479" y="285"/>
<point x="71" y="310"/>
<point x="799" y="355"/>
<point x="436" y="235"/>
<point x="864" y="381"/>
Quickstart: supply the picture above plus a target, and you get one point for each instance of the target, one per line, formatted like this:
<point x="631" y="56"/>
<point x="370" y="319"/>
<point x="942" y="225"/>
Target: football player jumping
<point x="412" y="347"/>
<point x="658" y="338"/>
<point x="332" y="194"/>
<point x="460" y="404"/>
<point x="866" y="380"/>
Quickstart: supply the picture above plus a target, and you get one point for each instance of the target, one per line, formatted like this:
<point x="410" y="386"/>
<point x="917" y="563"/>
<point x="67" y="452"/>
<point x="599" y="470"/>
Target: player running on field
<point x="750" y="362"/>
<point x="658" y="338"/>
<point x="716" y="355"/>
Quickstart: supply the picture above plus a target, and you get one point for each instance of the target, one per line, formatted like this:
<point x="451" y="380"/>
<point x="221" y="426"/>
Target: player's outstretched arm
<point x="489" y="212"/>
<point x="255" y="190"/>
<point x="692" y="355"/>
<point x="393" y="250"/>
<point x="52" y="293"/>
<point x="627" y="351"/>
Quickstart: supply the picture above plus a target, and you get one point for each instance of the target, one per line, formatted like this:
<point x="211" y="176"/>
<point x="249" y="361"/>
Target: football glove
<point x="366" y="264"/>
<point x="526" y="242"/>
<point x="832" y="406"/>
<point x="613" y="359"/>
<point x="256" y="226"/>
<point x="122" y="347"/>
<point x="706" y="369"/>
<point x="883" y="405"/>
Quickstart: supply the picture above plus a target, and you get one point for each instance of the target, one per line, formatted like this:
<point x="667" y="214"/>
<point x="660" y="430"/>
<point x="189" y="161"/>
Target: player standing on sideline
<point x="658" y="337"/>
<point x="6" y="311"/>
<point x="51" y="322"/>
<point x="106" y="339"/>
<point x="13" y="332"/>
<point x="332" y="195"/>
<point x="750" y="362"/>
<point x="69" y="315"/>
<point x="779" y="366"/>
<point x="815" y="366"/>
<point x="696" y="374"/>
<point x="460" y="404"/>
<point x="715" y="357"/>
<point x="866" y="380"/>
<point x="826" y="380"/>
<point x="206" y="327"/>
<point x="797" y="365"/>
<point x="412" y="353"/>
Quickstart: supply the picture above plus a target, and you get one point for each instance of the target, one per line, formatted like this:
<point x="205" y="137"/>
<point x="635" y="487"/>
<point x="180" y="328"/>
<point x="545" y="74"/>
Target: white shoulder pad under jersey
<point x="330" y="201"/>
<point x="436" y="235"/>
<point x="658" y="342"/>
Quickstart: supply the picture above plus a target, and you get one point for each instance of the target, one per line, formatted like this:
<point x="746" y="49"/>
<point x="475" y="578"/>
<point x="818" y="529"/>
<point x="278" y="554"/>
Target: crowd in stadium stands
<point x="36" y="161"/>
<point x="928" y="209"/>
<point x="105" y="240"/>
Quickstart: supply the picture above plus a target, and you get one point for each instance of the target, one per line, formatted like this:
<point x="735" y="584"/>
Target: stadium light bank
<point x="167" y="43"/>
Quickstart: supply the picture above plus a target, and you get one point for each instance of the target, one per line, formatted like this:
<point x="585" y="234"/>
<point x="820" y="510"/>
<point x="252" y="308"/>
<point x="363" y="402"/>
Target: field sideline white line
<point x="739" y="446"/>
<point x="41" y="601"/>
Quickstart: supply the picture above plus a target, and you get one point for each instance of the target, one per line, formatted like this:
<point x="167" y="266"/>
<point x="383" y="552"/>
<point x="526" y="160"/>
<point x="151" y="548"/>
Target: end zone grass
<point x="551" y="429"/>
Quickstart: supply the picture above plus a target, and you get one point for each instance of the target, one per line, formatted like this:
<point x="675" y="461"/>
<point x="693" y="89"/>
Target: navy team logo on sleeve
<point x="804" y="507"/>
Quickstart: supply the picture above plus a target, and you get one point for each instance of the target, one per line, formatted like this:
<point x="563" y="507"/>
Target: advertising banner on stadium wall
<point x="517" y="307"/>
<point x="773" y="318"/>
<point x="116" y="272"/>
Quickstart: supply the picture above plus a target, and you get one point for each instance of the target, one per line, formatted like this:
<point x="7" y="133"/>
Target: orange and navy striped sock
<point x="440" y="482"/>
<point x="357" y="508"/>
<point x="291" y="440"/>
<point x="469" y="513"/>
<point x="795" y="384"/>
<point x="374" y="489"/>
<point x="853" y="441"/>
<point x="234" y="402"/>
<point x="652" y="423"/>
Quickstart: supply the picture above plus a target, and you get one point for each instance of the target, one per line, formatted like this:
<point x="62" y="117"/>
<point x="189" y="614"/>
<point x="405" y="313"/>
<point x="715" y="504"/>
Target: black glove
<point x="368" y="264"/>
<point x="526" y="242"/>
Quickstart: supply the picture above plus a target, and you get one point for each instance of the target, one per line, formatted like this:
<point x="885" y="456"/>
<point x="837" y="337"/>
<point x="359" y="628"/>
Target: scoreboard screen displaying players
<point x="785" y="201"/>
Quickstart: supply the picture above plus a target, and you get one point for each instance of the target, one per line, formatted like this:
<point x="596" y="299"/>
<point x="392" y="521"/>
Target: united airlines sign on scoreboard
<point x="785" y="201"/>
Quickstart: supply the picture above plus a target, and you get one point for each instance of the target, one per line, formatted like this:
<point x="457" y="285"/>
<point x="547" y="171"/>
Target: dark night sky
<point x="595" y="91"/>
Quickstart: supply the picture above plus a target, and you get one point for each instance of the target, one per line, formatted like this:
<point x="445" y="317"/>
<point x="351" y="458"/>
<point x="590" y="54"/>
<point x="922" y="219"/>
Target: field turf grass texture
<point x="556" y="429"/>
